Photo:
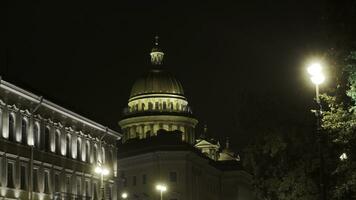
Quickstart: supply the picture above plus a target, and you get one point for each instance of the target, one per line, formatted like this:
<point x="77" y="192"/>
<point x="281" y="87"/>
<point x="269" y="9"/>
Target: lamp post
<point x="102" y="171"/>
<point x="161" y="188"/>
<point x="317" y="77"/>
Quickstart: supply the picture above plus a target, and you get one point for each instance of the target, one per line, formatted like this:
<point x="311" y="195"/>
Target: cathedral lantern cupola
<point x="156" y="54"/>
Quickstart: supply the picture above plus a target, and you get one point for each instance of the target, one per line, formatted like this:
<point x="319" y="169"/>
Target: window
<point x="68" y="190"/>
<point x="87" y="188"/>
<point x="68" y="144"/>
<point x="87" y="152"/>
<point x="12" y="127"/>
<point x="109" y="192"/>
<point x="23" y="184"/>
<point x="10" y="175"/>
<point x="95" y="192"/>
<point x="24" y="131"/>
<point x="134" y="180"/>
<point x="95" y="154"/>
<point x="35" y="180"/>
<point x="58" y="142"/>
<point x="36" y="134"/>
<point x="79" y="149"/>
<point x="56" y="182"/>
<point x="144" y="179"/>
<point x="46" y="182"/>
<point x="173" y="176"/>
<point x="78" y="187"/>
<point x="47" y="143"/>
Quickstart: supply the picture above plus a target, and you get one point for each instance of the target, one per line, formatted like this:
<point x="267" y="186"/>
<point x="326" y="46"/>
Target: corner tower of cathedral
<point x="156" y="102"/>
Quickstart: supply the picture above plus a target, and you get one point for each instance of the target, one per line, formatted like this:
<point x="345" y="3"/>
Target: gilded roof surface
<point x="157" y="81"/>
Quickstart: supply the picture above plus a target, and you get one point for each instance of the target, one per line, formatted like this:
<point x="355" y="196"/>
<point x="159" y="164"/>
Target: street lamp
<point x="161" y="188"/>
<point x="102" y="171"/>
<point x="315" y="71"/>
<point x="124" y="195"/>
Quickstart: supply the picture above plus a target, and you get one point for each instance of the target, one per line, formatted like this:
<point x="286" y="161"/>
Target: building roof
<point x="41" y="102"/>
<point x="157" y="81"/>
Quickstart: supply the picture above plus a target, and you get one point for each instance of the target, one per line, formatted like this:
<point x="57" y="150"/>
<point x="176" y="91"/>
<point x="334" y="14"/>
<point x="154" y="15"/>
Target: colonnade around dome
<point x="163" y="104"/>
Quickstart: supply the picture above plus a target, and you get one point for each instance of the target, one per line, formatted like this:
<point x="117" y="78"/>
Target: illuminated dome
<point x="157" y="102"/>
<point x="157" y="81"/>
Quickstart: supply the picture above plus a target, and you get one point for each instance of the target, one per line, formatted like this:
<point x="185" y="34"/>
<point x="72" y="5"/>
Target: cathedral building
<point x="49" y="152"/>
<point x="160" y="147"/>
<point x="157" y="102"/>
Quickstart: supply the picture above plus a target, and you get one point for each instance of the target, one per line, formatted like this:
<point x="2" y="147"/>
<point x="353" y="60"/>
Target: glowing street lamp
<point x="124" y="195"/>
<point x="102" y="171"/>
<point x="315" y="71"/>
<point x="316" y="76"/>
<point x="161" y="188"/>
<point x="343" y="157"/>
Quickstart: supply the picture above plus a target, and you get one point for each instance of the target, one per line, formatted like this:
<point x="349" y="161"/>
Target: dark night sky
<point x="241" y="64"/>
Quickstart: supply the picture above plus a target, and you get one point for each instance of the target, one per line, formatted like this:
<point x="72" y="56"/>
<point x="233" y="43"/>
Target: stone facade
<point x="61" y="147"/>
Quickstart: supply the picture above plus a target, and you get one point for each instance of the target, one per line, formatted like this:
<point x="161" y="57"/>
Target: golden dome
<point x="157" y="81"/>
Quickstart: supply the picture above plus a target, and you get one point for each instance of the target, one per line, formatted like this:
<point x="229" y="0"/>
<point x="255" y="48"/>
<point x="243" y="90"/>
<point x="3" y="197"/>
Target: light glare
<point x="318" y="79"/>
<point x="124" y="195"/>
<point x="314" y="69"/>
<point x="161" y="188"/>
<point x="343" y="156"/>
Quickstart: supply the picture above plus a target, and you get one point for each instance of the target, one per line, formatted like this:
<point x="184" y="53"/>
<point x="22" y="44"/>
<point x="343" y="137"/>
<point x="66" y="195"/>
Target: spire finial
<point x="156" y="40"/>
<point x="156" y="53"/>
<point x="227" y="143"/>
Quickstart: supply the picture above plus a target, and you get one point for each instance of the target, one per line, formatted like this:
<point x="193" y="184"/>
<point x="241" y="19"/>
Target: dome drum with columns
<point x="157" y="102"/>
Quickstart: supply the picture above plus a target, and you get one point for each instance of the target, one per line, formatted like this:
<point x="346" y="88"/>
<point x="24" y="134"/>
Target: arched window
<point x="95" y="154"/>
<point x="79" y="149"/>
<point x="177" y="106"/>
<point x="12" y="127"/>
<point x="58" y="142"/>
<point x="164" y="105"/>
<point x="103" y="158"/>
<point x="87" y="152"/>
<point x="24" y="131"/>
<point x="47" y="142"/>
<point x="68" y="145"/>
<point x="36" y="135"/>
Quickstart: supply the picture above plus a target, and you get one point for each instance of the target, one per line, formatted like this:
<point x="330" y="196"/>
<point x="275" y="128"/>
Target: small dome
<point x="157" y="81"/>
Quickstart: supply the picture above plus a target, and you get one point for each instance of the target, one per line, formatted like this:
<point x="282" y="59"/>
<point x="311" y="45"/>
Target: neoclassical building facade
<point x="49" y="152"/>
